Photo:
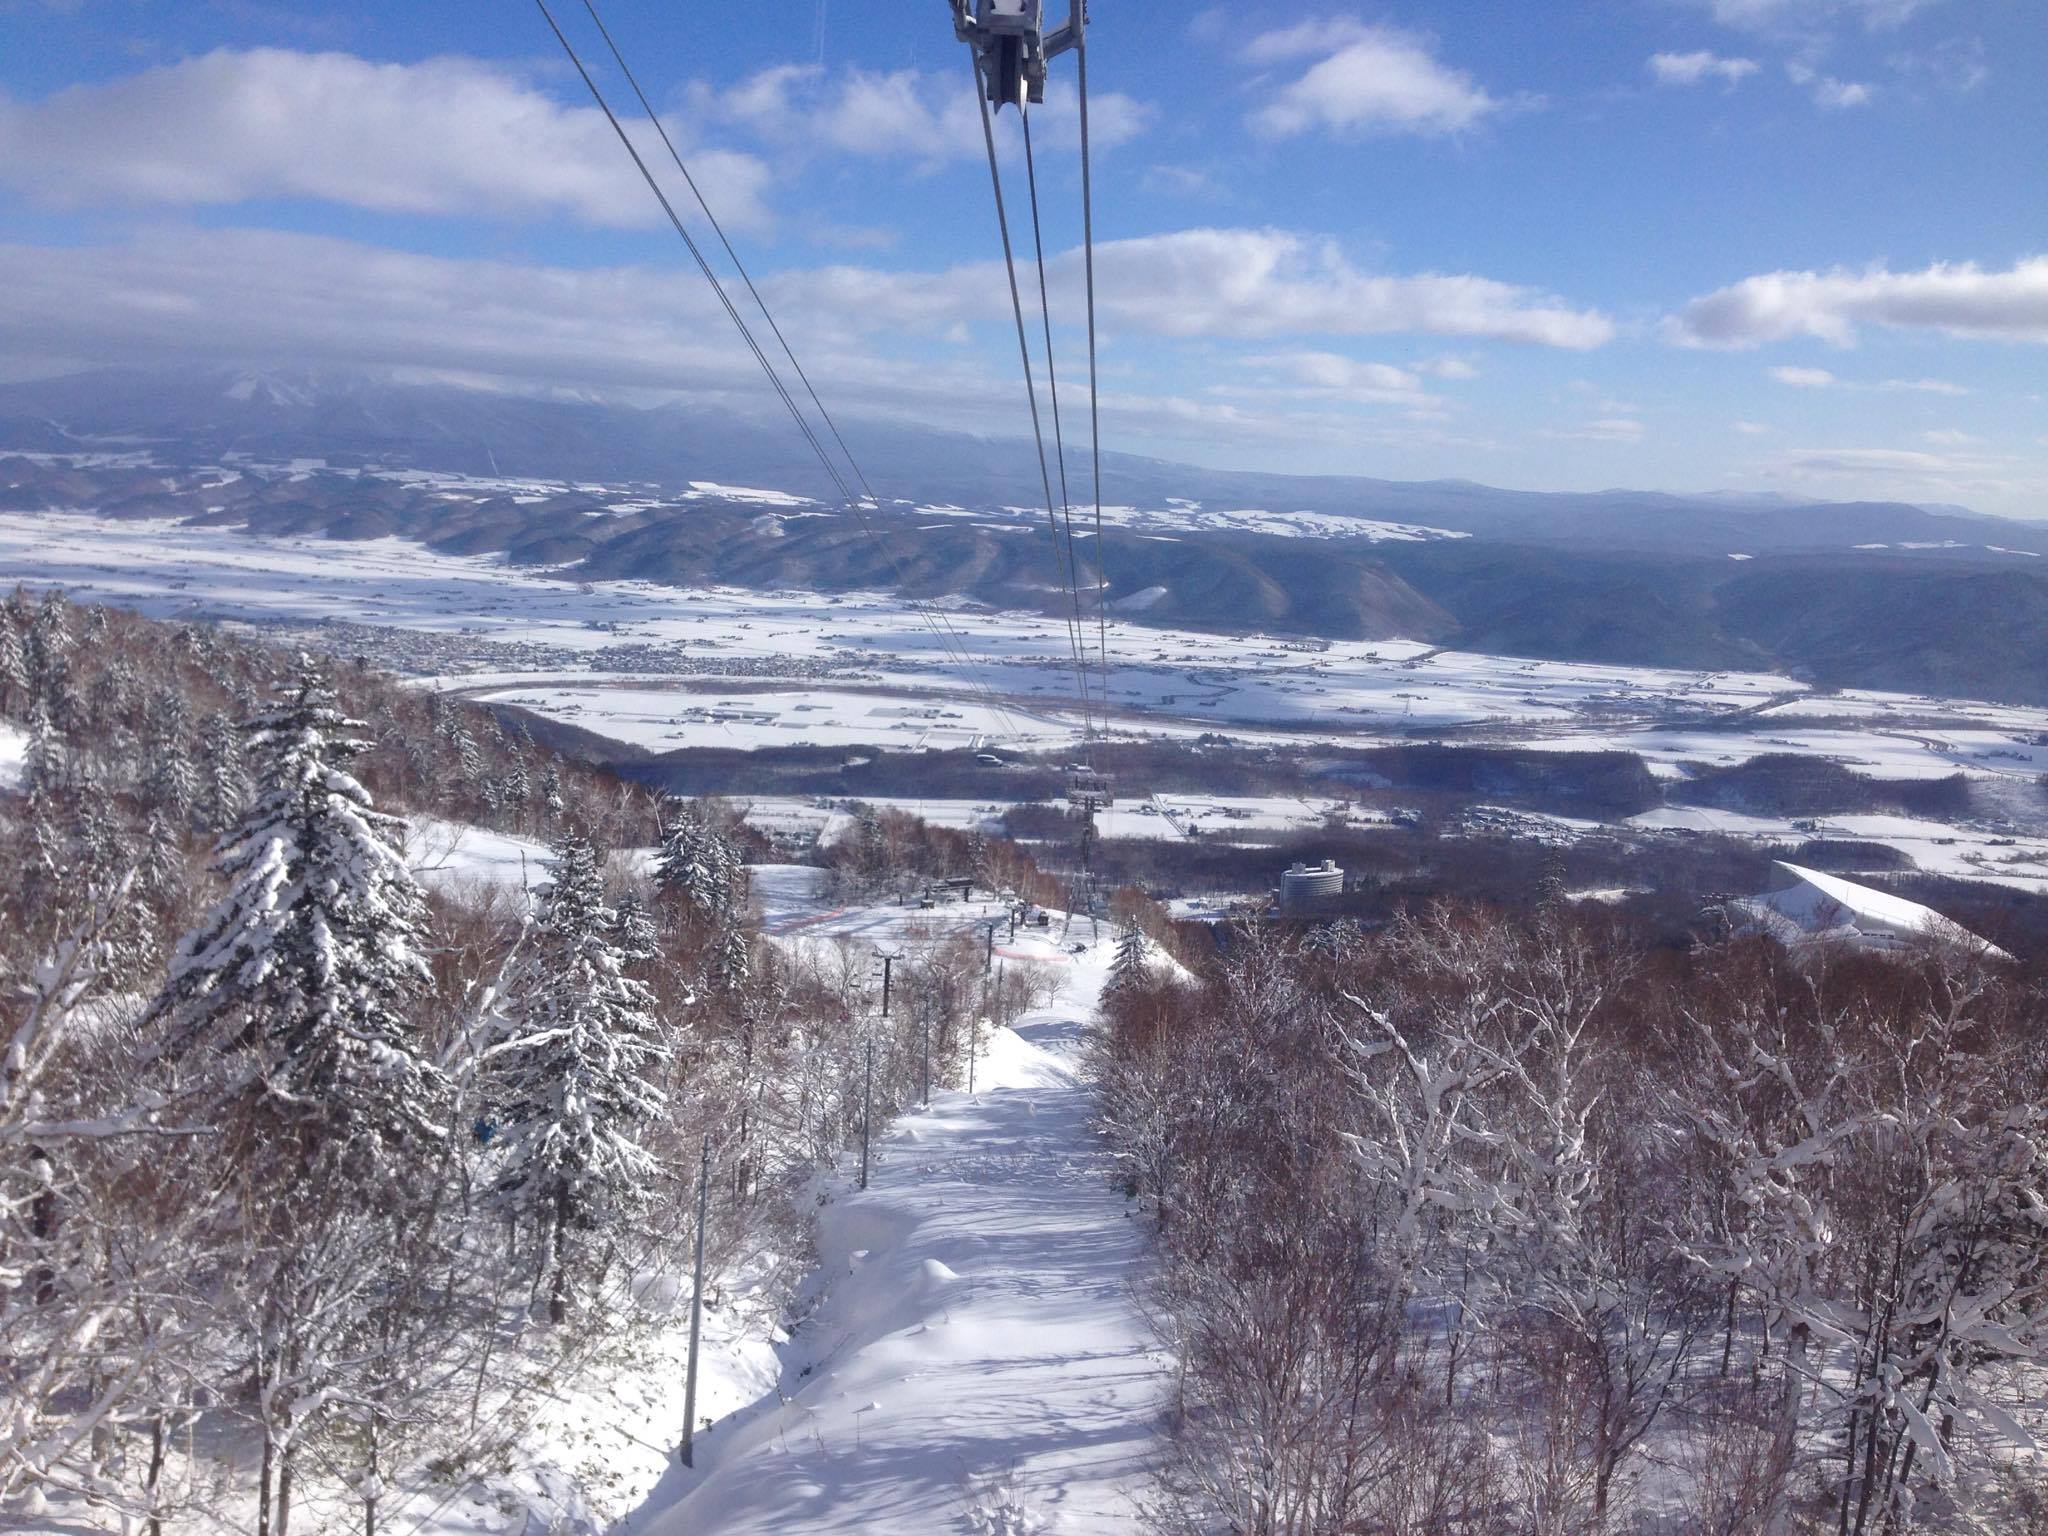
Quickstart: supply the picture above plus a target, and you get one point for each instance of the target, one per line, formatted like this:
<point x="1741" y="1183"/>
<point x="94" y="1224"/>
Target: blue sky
<point x="1776" y="245"/>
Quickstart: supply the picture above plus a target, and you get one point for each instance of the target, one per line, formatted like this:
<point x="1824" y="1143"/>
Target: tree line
<point x="1499" y="1222"/>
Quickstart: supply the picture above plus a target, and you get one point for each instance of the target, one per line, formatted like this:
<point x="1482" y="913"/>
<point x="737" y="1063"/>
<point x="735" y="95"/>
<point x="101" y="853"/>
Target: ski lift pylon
<point x="1012" y="46"/>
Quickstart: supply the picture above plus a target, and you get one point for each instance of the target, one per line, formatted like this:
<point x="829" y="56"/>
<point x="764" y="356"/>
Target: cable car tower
<point x="1010" y="42"/>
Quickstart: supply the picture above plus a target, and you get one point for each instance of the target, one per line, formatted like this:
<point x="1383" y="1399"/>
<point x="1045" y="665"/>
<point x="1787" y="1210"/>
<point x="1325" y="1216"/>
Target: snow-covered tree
<point x="170" y="780"/>
<point x="13" y="666"/>
<point x="1127" y="967"/>
<point x="697" y="865"/>
<point x="88" y="1268"/>
<point x="634" y="930"/>
<point x="224" y="788"/>
<point x="303" y="976"/>
<point x="46" y="768"/>
<point x="732" y="958"/>
<point x="570" y="1081"/>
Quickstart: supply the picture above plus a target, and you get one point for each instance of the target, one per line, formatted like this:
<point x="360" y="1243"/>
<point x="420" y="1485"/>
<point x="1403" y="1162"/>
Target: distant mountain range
<point x="1878" y="594"/>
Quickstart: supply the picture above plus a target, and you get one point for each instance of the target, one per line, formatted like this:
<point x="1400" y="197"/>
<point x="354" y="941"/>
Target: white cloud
<point x="447" y="136"/>
<point x="1334" y="378"/>
<point x="1950" y="438"/>
<point x="1811" y="15"/>
<point x="1364" y="80"/>
<point x="1903" y="463"/>
<point x="1957" y="474"/>
<point x="1828" y="92"/>
<point x="1240" y="283"/>
<point x="1752" y="428"/>
<point x="1448" y="366"/>
<point x="1804" y="378"/>
<point x="1692" y="68"/>
<point x="1958" y="64"/>
<point x="1923" y="386"/>
<point x="877" y="341"/>
<point x="904" y="114"/>
<point x="1955" y="298"/>
<point x="1610" y="429"/>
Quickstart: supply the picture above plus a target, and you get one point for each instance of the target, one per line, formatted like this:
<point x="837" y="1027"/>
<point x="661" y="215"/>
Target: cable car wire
<point x="948" y="639"/>
<point x="1052" y="381"/>
<point x="1094" y="393"/>
<point x="988" y="134"/>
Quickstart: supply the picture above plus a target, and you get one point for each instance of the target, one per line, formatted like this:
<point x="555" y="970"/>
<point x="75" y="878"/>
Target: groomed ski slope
<point x="976" y="1361"/>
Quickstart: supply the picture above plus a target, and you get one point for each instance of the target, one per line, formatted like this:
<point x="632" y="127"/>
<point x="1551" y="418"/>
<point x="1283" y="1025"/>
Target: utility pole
<point x="988" y="966"/>
<point x="867" y="1112"/>
<point x="696" y="1311"/>
<point x="925" y="1072"/>
<point x="887" y="961"/>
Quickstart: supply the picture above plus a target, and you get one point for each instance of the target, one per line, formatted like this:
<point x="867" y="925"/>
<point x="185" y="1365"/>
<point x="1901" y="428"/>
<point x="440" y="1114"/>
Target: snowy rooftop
<point x="1823" y="906"/>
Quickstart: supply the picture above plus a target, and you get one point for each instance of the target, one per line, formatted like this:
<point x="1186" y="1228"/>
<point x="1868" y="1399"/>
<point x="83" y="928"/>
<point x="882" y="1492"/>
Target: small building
<point x="1307" y="882"/>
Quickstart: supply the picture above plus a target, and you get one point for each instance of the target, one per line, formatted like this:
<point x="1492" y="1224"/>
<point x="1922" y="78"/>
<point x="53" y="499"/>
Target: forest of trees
<point x="307" y="1172"/>
<point x="1492" y="1223"/>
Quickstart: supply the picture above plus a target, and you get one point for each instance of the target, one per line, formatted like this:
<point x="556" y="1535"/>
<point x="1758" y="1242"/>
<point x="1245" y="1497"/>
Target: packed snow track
<point x="976" y="1361"/>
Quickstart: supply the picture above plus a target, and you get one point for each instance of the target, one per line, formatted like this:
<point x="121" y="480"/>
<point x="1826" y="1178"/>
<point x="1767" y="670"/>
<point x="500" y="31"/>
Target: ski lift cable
<point x="1052" y="382"/>
<point x="988" y="135"/>
<point x="955" y="650"/>
<point x="1094" y="392"/>
<point x="936" y="619"/>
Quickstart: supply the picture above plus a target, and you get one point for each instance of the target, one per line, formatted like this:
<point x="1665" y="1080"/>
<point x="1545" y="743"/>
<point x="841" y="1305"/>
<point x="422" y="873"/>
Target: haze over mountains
<point x="1885" y="594"/>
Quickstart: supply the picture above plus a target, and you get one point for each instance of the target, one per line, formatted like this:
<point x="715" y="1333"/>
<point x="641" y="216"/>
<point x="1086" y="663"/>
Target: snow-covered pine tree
<point x="170" y="782"/>
<point x="47" y="764"/>
<point x="732" y="958"/>
<point x="100" y="841"/>
<point x="13" y="666"/>
<point x="468" y="762"/>
<point x="570" y="1080"/>
<point x="633" y="927"/>
<point x="696" y="865"/>
<point x="224" y="789"/>
<point x="49" y="633"/>
<point x="306" y="968"/>
<point x="161" y="863"/>
<point x="1127" y="968"/>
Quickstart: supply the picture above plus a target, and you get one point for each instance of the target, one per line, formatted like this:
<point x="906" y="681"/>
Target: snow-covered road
<point x="976" y="1361"/>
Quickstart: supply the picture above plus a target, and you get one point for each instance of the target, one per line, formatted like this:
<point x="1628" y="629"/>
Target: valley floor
<point x="975" y="1359"/>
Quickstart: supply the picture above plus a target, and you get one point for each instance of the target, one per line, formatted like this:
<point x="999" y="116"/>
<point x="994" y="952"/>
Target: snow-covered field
<point x="1964" y="852"/>
<point x="1153" y="817"/>
<point x="663" y="668"/>
<point x="663" y="719"/>
<point x="544" y="634"/>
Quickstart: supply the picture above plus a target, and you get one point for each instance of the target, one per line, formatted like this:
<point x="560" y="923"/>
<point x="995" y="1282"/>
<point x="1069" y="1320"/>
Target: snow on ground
<point x="859" y="669"/>
<point x="1973" y="746"/>
<point x="1968" y="852"/>
<point x="1162" y="816"/>
<point x="457" y="859"/>
<point x="1823" y="904"/>
<point x="975" y="1360"/>
<point x="799" y="910"/>
<point x="1170" y="681"/>
<point x="586" y="1445"/>
<point x="461" y="861"/>
<point x="13" y="755"/>
<point x="663" y="719"/>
